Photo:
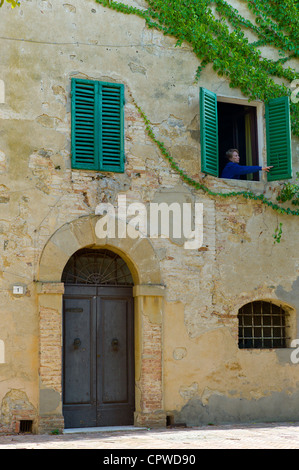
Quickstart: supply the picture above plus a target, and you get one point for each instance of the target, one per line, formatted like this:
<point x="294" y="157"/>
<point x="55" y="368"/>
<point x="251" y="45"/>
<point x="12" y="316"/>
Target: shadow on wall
<point x="278" y="407"/>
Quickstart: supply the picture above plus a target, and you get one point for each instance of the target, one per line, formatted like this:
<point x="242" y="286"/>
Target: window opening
<point x="25" y="426"/>
<point x="237" y="128"/>
<point x="262" y="325"/>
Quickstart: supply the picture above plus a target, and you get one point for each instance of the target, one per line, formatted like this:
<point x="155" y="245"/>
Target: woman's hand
<point x="267" y="168"/>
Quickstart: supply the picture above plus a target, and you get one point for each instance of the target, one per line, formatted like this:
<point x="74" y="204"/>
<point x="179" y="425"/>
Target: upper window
<point x="224" y="126"/>
<point x="97" y="125"/>
<point x="237" y="129"/>
<point x="262" y="325"/>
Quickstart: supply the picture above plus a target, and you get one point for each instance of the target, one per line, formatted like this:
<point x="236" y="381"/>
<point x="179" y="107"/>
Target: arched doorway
<point x="98" y="340"/>
<point x="148" y="293"/>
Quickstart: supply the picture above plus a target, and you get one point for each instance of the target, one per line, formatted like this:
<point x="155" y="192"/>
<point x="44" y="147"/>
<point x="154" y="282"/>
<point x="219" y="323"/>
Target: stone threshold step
<point x="103" y="429"/>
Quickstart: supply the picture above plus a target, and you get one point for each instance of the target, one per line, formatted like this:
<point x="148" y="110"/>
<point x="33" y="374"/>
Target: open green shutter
<point x="112" y="127"/>
<point x="278" y="130"/>
<point x="209" y="132"/>
<point x="84" y="124"/>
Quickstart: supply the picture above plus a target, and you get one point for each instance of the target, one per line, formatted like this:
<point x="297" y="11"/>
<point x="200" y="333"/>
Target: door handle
<point x="77" y="343"/>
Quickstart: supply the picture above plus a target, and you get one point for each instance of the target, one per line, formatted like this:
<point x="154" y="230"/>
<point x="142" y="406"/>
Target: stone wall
<point x="187" y="357"/>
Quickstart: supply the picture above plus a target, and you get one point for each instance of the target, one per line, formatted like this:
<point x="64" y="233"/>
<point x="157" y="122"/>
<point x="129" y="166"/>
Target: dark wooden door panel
<point x="79" y="384"/>
<point x="115" y="390"/>
<point x="114" y="379"/>
<point x="98" y="356"/>
<point x="78" y="351"/>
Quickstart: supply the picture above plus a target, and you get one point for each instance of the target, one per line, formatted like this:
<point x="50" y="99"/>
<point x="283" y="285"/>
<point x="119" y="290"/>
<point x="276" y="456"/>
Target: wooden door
<point x="98" y="351"/>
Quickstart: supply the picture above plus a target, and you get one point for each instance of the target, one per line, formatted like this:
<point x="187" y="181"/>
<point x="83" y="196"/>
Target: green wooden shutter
<point x="97" y="125"/>
<point x="209" y="132"/>
<point x="278" y="131"/>
<point x="84" y="125"/>
<point x="112" y="127"/>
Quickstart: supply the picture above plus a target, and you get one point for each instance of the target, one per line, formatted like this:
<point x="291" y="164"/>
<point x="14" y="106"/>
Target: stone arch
<point x="148" y="293"/>
<point x="138" y="253"/>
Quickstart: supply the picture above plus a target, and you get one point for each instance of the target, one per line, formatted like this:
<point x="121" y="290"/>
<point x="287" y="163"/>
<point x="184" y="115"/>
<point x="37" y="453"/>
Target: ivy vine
<point x="277" y="233"/>
<point x="290" y="192"/>
<point x="219" y="38"/>
<point x="234" y="56"/>
<point x="13" y="3"/>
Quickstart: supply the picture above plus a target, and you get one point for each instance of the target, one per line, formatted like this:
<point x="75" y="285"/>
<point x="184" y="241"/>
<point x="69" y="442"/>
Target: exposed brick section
<point x="151" y="420"/>
<point x="50" y="348"/>
<point x="51" y="424"/>
<point x="151" y="377"/>
<point x="48" y="212"/>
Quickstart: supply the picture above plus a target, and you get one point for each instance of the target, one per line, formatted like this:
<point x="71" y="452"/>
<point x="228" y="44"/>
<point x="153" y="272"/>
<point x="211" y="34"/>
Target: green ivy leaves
<point x="232" y="55"/>
<point x="277" y="233"/>
<point x="13" y="3"/>
<point x="290" y="192"/>
<point x="220" y="40"/>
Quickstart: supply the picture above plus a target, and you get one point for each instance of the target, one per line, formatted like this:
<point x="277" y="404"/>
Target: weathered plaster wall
<point x="205" y="377"/>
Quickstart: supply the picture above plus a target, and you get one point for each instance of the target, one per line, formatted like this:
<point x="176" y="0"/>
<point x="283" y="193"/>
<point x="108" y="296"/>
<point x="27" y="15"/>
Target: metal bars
<point x="97" y="267"/>
<point x="262" y="325"/>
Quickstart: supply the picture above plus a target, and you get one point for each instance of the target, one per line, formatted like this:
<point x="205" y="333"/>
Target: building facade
<point x="100" y="323"/>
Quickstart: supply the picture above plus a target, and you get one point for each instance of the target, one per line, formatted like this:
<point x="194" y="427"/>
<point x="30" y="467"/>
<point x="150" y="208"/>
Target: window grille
<point x="97" y="267"/>
<point x="262" y="325"/>
<point x="25" y="426"/>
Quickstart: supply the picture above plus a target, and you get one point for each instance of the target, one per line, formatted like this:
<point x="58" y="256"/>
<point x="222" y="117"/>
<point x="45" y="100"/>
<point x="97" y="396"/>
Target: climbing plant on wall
<point x="217" y="33"/>
<point x="13" y="3"/>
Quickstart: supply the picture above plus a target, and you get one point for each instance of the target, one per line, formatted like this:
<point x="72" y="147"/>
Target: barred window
<point x="262" y="325"/>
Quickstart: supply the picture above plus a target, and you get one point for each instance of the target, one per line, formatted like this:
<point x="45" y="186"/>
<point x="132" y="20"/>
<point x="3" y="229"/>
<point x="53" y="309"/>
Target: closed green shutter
<point x="209" y="132"/>
<point x="112" y="127"/>
<point x="97" y="125"/>
<point x="84" y="125"/>
<point x="278" y="130"/>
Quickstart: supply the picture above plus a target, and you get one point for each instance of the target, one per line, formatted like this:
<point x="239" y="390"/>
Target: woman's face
<point x="235" y="157"/>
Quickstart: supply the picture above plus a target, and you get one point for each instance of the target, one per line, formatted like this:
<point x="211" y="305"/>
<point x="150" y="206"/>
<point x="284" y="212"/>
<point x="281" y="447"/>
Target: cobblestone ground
<point x="251" y="436"/>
